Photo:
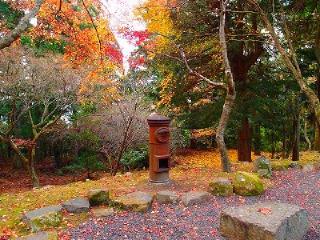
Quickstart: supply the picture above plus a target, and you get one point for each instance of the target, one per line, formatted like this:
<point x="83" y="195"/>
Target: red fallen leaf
<point x="265" y="211"/>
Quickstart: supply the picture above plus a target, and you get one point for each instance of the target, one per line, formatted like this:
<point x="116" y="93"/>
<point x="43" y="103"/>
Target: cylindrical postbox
<point x="159" y="148"/>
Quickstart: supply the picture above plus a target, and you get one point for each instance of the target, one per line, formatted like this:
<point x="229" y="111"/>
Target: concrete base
<point x="159" y="177"/>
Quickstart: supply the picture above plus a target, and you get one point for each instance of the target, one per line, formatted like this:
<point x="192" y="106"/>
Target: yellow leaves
<point x="165" y="92"/>
<point x="156" y="14"/>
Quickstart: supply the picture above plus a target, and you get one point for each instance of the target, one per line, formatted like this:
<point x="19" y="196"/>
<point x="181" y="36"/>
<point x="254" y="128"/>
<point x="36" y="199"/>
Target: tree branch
<point x="215" y="84"/>
<point x="22" y="26"/>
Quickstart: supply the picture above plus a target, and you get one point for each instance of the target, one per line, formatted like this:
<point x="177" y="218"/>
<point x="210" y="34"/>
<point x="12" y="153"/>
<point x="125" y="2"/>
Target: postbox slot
<point x="162" y="163"/>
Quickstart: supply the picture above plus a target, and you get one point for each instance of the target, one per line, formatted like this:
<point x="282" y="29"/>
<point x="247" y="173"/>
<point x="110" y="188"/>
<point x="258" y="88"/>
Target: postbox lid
<point x="158" y="118"/>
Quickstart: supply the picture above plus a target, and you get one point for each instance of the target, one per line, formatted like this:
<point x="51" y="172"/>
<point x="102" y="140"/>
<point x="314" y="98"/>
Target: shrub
<point x="135" y="158"/>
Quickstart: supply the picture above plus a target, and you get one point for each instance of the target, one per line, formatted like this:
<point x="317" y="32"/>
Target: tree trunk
<point x="296" y="130"/>
<point x="231" y="92"/>
<point x="32" y="171"/>
<point x="305" y="132"/>
<point x="284" y="142"/>
<point x="257" y="140"/>
<point x="273" y="147"/>
<point x="244" y="142"/>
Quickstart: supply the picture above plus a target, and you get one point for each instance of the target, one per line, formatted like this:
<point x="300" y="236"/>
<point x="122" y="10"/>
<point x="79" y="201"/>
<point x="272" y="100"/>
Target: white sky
<point x="121" y="15"/>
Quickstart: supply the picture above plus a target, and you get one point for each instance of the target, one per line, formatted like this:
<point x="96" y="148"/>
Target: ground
<point x="202" y="221"/>
<point x="193" y="172"/>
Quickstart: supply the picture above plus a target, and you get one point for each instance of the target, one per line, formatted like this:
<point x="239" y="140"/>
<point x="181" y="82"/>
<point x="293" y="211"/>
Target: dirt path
<point x="202" y="221"/>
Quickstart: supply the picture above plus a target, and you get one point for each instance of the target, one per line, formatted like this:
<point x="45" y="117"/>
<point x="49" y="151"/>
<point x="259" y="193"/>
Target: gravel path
<point x="202" y="221"/>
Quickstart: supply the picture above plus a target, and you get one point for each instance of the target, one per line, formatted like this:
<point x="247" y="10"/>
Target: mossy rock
<point x="43" y="218"/>
<point x="98" y="197"/>
<point x="247" y="184"/>
<point x="280" y="165"/>
<point x="221" y="187"/>
<point x="263" y="167"/>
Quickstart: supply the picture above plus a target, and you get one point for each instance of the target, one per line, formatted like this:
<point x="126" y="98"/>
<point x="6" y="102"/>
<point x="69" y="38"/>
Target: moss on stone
<point x="247" y="184"/>
<point x="221" y="187"/>
<point x="98" y="197"/>
<point x="43" y="222"/>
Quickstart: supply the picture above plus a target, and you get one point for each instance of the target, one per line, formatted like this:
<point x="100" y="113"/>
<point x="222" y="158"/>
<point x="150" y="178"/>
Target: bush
<point x="135" y="158"/>
<point x="87" y="161"/>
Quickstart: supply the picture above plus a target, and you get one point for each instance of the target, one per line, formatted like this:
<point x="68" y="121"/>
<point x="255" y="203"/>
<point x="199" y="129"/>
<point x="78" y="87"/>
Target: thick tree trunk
<point x="244" y="142"/>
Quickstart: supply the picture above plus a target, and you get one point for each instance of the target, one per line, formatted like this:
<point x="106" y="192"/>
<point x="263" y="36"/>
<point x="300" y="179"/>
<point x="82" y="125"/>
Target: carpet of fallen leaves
<point x="193" y="171"/>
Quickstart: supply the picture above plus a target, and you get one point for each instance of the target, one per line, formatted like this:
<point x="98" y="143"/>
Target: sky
<point x="121" y="14"/>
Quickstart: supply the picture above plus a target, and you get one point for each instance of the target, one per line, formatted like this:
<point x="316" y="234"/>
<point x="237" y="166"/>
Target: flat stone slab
<point x="136" y="201"/>
<point x="194" y="197"/>
<point x="43" y="217"/>
<point x="264" y="221"/>
<point x="102" y="212"/>
<point x="77" y="205"/>
<point x="167" y="197"/>
<point x="40" y="236"/>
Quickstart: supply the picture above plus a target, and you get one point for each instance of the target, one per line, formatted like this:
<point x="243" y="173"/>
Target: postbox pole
<point x="159" y="148"/>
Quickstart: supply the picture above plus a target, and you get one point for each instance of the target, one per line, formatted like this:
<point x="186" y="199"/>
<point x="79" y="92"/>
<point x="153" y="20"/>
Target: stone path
<point x="201" y="221"/>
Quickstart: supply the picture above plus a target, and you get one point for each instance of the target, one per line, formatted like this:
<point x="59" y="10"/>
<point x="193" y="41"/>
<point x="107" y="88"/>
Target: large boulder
<point x="98" y="197"/>
<point x="167" y="197"/>
<point x="247" y="184"/>
<point x="194" y="197"/>
<point x="262" y="166"/>
<point x="43" y="217"/>
<point x="221" y="187"/>
<point x="264" y="221"/>
<point x="135" y="201"/>
<point x="77" y="205"/>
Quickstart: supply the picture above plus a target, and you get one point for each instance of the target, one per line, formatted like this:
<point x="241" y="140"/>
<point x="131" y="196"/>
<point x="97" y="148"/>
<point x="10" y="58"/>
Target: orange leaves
<point x="265" y="211"/>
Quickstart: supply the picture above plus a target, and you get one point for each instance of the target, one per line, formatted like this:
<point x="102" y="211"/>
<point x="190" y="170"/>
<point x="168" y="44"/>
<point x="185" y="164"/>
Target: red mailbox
<point x="159" y="148"/>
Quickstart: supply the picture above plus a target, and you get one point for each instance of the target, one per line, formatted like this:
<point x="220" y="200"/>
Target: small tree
<point x="35" y="91"/>
<point x="121" y="126"/>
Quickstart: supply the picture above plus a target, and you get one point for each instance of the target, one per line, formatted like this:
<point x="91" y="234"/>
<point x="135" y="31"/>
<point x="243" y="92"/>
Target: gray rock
<point x="167" y="197"/>
<point x="264" y="173"/>
<point x="263" y="163"/>
<point x="264" y="221"/>
<point x="194" y="197"/>
<point x="77" y="205"/>
<point x="221" y="187"/>
<point x="308" y="168"/>
<point x="40" y="236"/>
<point x="102" y="212"/>
<point x="43" y="217"/>
<point x="136" y="201"/>
<point x="295" y="165"/>
<point x="98" y="197"/>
